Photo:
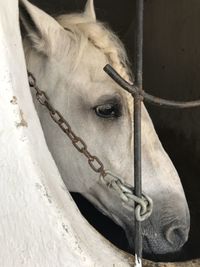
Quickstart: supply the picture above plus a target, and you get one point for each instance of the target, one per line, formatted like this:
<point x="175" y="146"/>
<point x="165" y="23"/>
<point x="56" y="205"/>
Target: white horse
<point x="67" y="56"/>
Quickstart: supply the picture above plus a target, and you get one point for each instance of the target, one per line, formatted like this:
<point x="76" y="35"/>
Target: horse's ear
<point x="38" y="25"/>
<point x="89" y="10"/>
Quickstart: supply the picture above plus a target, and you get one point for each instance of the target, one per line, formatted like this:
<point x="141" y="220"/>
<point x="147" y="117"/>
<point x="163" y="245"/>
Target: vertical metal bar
<point x="137" y="173"/>
<point x="139" y="43"/>
<point x="137" y="123"/>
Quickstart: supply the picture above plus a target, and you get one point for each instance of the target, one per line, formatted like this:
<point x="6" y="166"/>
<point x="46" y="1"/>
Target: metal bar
<point x="119" y="80"/>
<point x="139" y="44"/>
<point x="170" y="103"/>
<point x="137" y="175"/>
<point x="137" y="123"/>
<point x="147" y="97"/>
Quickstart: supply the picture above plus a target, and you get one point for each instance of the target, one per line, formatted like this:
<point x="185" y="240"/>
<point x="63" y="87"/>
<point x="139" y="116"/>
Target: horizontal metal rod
<point x="147" y="97"/>
<point x="170" y="103"/>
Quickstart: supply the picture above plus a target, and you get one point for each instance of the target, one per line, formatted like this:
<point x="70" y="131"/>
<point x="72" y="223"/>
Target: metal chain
<point x="77" y="142"/>
<point x="144" y="205"/>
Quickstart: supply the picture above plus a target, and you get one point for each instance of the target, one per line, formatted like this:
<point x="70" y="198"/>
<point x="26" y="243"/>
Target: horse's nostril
<point x="177" y="235"/>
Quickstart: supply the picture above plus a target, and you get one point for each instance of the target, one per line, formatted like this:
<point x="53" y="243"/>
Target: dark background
<point x="171" y="70"/>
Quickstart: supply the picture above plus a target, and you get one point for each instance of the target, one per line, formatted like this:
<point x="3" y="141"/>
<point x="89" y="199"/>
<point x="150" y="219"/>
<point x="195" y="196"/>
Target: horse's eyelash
<point x="112" y="101"/>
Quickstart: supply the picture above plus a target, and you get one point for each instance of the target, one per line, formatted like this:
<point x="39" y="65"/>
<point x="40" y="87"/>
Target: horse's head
<point x="67" y="57"/>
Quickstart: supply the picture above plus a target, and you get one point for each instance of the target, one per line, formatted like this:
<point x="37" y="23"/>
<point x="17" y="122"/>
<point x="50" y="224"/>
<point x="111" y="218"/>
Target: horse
<point x="67" y="55"/>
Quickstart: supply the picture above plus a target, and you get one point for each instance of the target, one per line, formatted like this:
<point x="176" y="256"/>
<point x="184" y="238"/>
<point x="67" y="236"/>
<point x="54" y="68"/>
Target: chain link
<point x="143" y="206"/>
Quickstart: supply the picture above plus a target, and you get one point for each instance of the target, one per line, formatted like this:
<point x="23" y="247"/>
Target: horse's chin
<point x="151" y="251"/>
<point x="169" y="257"/>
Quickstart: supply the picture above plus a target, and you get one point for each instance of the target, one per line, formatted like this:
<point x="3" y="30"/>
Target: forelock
<point x="102" y="38"/>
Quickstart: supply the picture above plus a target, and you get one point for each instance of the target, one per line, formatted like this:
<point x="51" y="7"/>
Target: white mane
<point x="85" y="30"/>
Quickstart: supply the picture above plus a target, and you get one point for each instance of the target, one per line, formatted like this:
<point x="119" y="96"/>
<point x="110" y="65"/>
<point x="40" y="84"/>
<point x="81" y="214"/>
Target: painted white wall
<point x="39" y="223"/>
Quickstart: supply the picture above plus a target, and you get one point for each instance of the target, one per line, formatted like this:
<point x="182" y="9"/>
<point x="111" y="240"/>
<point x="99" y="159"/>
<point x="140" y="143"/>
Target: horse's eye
<point x="109" y="110"/>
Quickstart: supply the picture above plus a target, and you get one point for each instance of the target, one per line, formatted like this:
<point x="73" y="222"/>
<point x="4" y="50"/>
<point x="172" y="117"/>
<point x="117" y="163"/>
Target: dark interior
<point x="171" y="70"/>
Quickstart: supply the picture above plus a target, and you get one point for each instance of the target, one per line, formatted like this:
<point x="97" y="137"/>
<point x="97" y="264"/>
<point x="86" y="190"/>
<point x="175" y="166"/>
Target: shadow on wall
<point x="171" y="70"/>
